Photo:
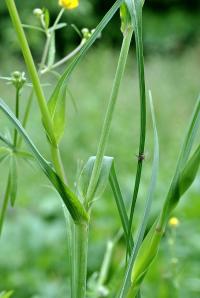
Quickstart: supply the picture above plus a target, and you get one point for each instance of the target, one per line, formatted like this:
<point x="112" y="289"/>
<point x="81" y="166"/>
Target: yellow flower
<point x="174" y="222"/>
<point x="69" y="4"/>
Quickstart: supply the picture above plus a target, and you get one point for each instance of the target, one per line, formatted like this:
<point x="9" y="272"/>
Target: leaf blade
<point x="71" y="201"/>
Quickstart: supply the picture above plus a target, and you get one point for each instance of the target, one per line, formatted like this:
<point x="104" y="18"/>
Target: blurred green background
<point x="33" y="250"/>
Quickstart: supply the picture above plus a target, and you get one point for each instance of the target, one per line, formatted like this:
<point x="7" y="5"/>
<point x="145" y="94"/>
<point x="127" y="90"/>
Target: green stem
<point x="140" y="62"/>
<point x="109" y="114"/>
<point x="26" y="115"/>
<point x="48" y="40"/>
<point x="5" y="203"/>
<point x="16" y="114"/>
<point x="79" y="260"/>
<point x="31" y="68"/>
<point x="64" y="60"/>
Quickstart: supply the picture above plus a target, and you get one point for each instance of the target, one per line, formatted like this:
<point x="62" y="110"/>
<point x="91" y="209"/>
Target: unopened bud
<point x="18" y="79"/>
<point x="38" y="12"/>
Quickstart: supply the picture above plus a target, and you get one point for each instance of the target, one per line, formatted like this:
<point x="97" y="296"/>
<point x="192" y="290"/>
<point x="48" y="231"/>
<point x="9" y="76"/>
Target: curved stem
<point x="64" y="60"/>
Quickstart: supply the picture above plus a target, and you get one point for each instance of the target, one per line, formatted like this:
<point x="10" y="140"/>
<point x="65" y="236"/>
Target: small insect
<point x="141" y="157"/>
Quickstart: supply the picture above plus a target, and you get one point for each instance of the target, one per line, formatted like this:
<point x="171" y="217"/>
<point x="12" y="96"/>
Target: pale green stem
<point x="31" y="68"/>
<point x="79" y="260"/>
<point x="109" y="115"/>
<point x="64" y="60"/>
<point x="5" y="204"/>
<point x="17" y="115"/>
<point x="49" y="37"/>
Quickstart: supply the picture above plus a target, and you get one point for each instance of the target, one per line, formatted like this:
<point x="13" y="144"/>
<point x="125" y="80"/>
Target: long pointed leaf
<point x="72" y="203"/>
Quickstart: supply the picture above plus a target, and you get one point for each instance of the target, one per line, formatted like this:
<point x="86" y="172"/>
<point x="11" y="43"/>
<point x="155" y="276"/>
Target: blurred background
<point x="33" y="249"/>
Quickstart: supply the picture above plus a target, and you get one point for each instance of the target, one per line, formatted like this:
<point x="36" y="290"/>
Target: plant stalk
<point x="109" y="115"/>
<point x="31" y="68"/>
<point x="79" y="260"/>
<point x="142" y="88"/>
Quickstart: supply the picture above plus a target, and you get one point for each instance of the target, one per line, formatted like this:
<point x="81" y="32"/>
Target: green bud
<point x="38" y="12"/>
<point x="18" y="79"/>
<point x="86" y="33"/>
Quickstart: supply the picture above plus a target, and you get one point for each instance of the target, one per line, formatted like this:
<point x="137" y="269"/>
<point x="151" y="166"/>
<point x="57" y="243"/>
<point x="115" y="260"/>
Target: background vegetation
<point x="33" y="259"/>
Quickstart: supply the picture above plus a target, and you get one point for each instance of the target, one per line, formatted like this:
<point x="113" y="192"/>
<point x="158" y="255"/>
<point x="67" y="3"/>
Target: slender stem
<point x="48" y="40"/>
<point x="64" y="60"/>
<point x="31" y="68"/>
<point x="26" y="115"/>
<point x="5" y="204"/>
<point x="109" y="115"/>
<point x="140" y="61"/>
<point x="16" y="114"/>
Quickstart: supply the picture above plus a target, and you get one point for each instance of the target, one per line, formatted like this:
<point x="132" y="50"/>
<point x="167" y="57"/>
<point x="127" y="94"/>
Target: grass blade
<point x="72" y="203"/>
<point x="151" y="191"/>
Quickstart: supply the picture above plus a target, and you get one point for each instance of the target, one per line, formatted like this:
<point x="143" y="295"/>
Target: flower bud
<point x="38" y="12"/>
<point x="86" y="33"/>
<point x="18" y="79"/>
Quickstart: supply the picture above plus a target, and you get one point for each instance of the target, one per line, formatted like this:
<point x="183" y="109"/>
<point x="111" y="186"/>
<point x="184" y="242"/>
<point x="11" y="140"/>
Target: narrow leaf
<point x="72" y="203"/>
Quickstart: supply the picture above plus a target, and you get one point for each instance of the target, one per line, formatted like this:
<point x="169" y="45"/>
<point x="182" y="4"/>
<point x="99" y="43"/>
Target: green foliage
<point x="140" y="249"/>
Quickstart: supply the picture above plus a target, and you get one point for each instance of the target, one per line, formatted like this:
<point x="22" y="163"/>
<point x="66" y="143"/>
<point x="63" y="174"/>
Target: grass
<point x="173" y="99"/>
